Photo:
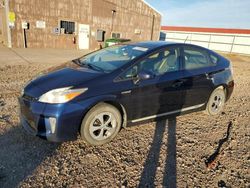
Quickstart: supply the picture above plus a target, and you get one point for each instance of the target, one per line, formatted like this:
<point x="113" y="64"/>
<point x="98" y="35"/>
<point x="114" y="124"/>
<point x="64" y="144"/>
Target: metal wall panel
<point x="129" y="16"/>
<point x="232" y="43"/>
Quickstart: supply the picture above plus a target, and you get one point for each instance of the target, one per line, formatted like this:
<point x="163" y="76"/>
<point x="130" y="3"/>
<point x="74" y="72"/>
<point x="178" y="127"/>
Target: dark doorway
<point x="2" y="24"/>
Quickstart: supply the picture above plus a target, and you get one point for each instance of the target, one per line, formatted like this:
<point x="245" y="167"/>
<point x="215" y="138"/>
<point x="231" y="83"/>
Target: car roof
<point x="153" y="44"/>
<point x="157" y="44"/>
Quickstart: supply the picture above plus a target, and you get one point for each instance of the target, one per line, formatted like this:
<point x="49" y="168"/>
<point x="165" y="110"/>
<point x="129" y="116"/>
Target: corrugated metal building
<point x="74" y="24"/>
<point x="220" y="39"/>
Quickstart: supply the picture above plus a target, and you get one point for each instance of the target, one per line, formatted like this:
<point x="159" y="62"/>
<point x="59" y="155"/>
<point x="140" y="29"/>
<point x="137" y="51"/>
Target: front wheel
<point x="101" y="124"/>
<point x="216" y="102"/>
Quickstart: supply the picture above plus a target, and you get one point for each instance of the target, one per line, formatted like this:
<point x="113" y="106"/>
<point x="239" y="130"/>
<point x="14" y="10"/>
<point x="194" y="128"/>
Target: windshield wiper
<point x="77" y="61"/>
<point x="91" y="66"/>
<point x="94" y="67"/>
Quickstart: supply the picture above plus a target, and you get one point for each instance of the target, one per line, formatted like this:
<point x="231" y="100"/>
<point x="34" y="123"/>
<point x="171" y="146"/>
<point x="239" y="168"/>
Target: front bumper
<point x="53" y="122"/>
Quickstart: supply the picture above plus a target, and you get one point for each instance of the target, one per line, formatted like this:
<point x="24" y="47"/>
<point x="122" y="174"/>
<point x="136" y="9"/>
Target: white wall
<point x="232" y="43"/>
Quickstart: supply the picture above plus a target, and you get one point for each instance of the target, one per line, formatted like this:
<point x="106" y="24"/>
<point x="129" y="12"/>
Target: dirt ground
<point x="171" y="153"/>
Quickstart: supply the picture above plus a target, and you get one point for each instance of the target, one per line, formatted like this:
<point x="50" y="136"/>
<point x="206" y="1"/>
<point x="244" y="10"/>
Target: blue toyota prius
<point x="101" y="92"/>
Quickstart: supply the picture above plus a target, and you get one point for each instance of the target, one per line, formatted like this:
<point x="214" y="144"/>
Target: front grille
<point x="29" y="98"/>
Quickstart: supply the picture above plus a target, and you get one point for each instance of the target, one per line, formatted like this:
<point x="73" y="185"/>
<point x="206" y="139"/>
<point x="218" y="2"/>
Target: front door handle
<point x="178" y="83"/>
<point x="209" y="75"/>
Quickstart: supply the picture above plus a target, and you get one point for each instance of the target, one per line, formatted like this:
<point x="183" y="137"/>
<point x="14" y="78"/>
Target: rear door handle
<point x="211" y="74"/>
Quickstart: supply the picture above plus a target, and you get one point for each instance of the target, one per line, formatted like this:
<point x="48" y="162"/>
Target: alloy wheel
<point x="102" y="126"/>
<point x="217" y="102"/>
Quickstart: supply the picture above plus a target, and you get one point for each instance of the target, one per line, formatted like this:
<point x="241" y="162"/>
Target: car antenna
<point x="186" y="40"/>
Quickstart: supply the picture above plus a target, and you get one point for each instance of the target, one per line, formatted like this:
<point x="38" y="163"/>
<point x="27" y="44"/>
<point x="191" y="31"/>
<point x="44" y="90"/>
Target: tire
<point x="101" y="124"/>
<point x="216" y="102"/>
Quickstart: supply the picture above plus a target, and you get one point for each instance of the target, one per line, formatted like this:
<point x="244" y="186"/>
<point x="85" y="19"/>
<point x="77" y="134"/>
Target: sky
<point x="204" y="13"/>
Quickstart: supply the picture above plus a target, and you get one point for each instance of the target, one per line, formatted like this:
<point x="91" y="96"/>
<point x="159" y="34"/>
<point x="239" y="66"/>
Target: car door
<point x="159" y="94"/>
<point x="197" y="69"/>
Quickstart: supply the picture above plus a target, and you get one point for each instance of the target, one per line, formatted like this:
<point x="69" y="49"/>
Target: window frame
<point x="68" y="23"/>
<point x="178" y="48"/>
<point x="198" y="49"/>
<point x="116" y="33"/>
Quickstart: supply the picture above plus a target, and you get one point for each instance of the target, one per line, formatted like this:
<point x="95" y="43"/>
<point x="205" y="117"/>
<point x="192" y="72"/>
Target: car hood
<point x="66" y="75"/>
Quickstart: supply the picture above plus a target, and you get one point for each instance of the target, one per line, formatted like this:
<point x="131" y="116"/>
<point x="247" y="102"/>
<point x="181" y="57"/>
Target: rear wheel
<point x="101" y="124"/>
<point x="216" y="102"/>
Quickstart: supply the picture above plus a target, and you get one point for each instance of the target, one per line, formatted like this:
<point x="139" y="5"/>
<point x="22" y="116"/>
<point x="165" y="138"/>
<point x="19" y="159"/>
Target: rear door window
<point x="195" y="58"/>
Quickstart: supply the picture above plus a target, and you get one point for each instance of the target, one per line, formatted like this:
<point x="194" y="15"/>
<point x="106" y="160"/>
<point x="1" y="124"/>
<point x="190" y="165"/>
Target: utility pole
<point x="7" y="9"/>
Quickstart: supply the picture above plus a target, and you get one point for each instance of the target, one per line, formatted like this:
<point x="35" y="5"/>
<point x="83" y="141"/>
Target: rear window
<point x="196" y="58"/>
<point x="214" y="59"/>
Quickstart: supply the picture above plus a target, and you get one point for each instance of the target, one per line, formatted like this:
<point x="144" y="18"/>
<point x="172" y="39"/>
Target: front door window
<point x="158" y="64"/>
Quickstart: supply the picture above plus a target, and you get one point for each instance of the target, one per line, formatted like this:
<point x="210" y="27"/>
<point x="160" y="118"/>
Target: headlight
<point x="61" y="95"/>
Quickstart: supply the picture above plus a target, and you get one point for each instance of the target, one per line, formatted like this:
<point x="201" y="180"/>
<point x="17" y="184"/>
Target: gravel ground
<point x="171" y="153"/>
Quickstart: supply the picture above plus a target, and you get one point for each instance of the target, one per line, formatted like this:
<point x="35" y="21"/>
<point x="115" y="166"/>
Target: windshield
<point x="111" y="58"/>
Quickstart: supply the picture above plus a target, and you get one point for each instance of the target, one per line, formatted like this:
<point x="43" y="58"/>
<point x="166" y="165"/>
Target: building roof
<point x="206" y="30"/>
<point x="152" y="7"/>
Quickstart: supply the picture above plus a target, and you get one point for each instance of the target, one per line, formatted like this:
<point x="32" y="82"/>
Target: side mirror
<point x="143" y="76"/>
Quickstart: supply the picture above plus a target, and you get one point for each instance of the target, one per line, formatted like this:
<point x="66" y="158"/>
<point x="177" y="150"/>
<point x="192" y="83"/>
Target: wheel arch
<point x="226" y="85"/>
<point x="121" y="109"/>
<point x="111" y="100"/>
<point x="221" y="86"/>
<point x="225" y="89"/>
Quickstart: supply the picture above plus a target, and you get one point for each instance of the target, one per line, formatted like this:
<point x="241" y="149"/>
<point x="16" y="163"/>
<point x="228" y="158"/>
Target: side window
<point x="158" y="64"/>
<point x="195" y="58"/>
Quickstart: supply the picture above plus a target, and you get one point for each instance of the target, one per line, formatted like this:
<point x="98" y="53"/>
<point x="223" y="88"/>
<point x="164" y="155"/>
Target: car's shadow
<point x="150" y="166"/>
<point x="20" y="155"/>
